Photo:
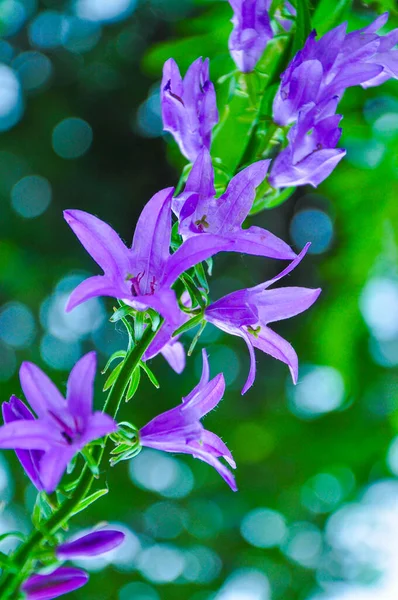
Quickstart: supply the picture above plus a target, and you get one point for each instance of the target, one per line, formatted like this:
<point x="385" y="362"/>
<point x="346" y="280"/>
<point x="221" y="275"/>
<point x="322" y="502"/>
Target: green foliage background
<point x="278" y="452"/>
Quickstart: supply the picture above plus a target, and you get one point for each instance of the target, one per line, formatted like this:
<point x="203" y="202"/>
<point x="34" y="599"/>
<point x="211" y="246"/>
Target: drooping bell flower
<point x="64" y="426"/>
<point x="142" y="275"/>
<point x="179" y="430"/>
<point x="311" y="154"/>
<point x="247" y="313"/>
<point x="16" y="410"/>
<point x="89" y="545"/>
<point x="326" y="67"/>
<point x="200" y="213"/>
<point x="189" y="108"/>
<point x="251" y="32"/>
<point x="59" y="582"/>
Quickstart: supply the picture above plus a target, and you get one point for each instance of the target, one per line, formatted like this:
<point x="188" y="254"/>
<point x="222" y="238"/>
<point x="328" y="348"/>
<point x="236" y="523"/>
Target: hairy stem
<point x="25" y="553"/>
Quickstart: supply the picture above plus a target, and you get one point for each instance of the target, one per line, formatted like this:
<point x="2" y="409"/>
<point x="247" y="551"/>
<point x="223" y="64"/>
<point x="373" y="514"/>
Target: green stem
<point x="23" y="555"/>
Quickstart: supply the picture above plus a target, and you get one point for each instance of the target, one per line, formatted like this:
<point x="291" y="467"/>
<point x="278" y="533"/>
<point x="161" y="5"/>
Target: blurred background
<point x="316" y="515"/>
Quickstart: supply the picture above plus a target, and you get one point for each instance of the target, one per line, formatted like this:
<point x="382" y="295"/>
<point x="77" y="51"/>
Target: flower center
<point x="66" y="432"/>
<point x="202" y="223"/>
<point x="136" y="288"/>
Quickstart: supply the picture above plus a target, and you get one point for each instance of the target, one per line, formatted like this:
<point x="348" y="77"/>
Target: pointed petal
<point x="151" y="241"/>
<point x="99" y="425"/>
<point x="273" y="344"/>
<point x="205" y="398"/>
<point x="163" y="337"/>
<point x="230" y="210"/>
<point x="260" y="242"/>
<point x="53" y="466"/>
<point x="286" y="271"/>
<point x="283" y="303"/>
<point x="192" y="252"/>
<point x="201" y="178"/>
<point x="93" y="287"/>
<point x="312" y="170"/>
<point x="80" y="389"/>
<point x="40" y="391"/>
<point x="211" y="460"/>
<point x="174" y="353"/>
<point x="252" y="371"/>
<point x="212" y="443"/>
<point x="204" y="377"/>
<point x="26" y="435"/>
<point x="101" y="242"/>
<point x="15" y="410"/>
<point x="92" y="544"/>
<point x="59" y="582"/>
<point x="164" y="301"/>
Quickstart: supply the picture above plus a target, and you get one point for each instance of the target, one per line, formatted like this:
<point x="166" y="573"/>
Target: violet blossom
<point x="251" y="32"/>
<point x="92" y="544"/>
<point x="63" y="427"/>
<point x="142" y="275"/>
<point x="199" y="211"/>
<point x="59" y="582"/>
<point x="189" y="108"/>
<point x="311" y="154"/>
<point x="180" y="430"/>
<point x="246" y="313"/>
<point x="324" y="68"/>
<point x="170" y="347"/>
<point x="16" y="410"/>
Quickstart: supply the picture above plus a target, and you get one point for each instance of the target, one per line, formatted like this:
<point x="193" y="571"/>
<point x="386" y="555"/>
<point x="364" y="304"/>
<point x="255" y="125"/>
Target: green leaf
<point x="196" y="338"/>
<point x="150" y="374"/>
<point x="133" y="385"/>
<point x="16" y="534"/>
<point x="121" y="313"/>
<point x="330" y="13"/>
<point x="189" y="325"/>
<point x="112" y="377"/>
<point x="201" y="276"/>
<point x="89" y="500"/>
<point x="303" y="25"/>
<point x="271" y="199"/>
<point x="195" y="294"/>
<point x="115" y="355"/>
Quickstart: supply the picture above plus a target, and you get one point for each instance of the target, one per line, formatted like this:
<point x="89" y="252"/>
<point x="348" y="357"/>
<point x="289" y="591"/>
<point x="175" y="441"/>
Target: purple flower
<point x="167" y="345"/>
<point x="311" y="154"/>
<point x="59" y="582"/>
<point x="16" y="410"/>
<point x="63" y="427"/>
<point x="200" y="212"/>
<point x="247" y="313"/>
<point x="140" y="276"/>
<point x="251" y="32"/>
<point x="180" y="429"/>
<point x="91" y="544"/>
<point x="324" y="68"/>
<point x="189" y="108"/>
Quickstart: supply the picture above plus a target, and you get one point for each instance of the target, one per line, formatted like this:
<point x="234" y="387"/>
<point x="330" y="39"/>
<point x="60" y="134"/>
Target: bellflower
<point x="251" y="32"/>
<point x="167" y="345"/>
<point x="92" y="544"/>
<point x="247" y="313"/>
<point x="63" y="427"/>
<point x="311" y="154"/>
<point x="200" y="212"/>
<point x="59" y="582"/>
<point x="180" y="430"/>
<point x="189" y="108"/>
<point x="324" y="68"/>
<point x="140" y="276"/>
<point x="16" y="410"/>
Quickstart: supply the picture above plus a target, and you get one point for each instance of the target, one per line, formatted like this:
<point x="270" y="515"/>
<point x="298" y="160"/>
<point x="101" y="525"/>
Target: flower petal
<point x="40" y="391"/>
<point x="205" y="399"/>
<point x="204" y="379"/>
<point x="80" y="389"/>
<point x="53" y="466"/>
<point x="283" y="303"/>
<point x="101" y="242"/>
<point x="174" y="353"/>
<point x="260" y="242"/>
<point x="151" y="241"/>
<point x="59" y="582"/>
<point x="99" y="285"/>
<point x="92" y="544"/>
<point x="26" y="435"/>
<point x="99" y="425"/>
<point x="214" y="444"/>
<point x="286" y="271"/>
<point x="273" y="344"/>
<point x="312" y="170"/>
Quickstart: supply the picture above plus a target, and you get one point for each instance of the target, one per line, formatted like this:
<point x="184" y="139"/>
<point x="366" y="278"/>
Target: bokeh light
<point x="72" y="138"/>
<point x="320" y="390"/>
<point x="31" y="196"/>
<point x="312" y="225"/>
<point x="17" y="325"/>
<point x="161" y="473"/>
<point x="11" y="103"/>
<point x="263" y="528"/>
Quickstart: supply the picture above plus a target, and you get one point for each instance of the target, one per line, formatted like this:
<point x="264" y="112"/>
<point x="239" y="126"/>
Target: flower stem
<point x="25" y="553"/>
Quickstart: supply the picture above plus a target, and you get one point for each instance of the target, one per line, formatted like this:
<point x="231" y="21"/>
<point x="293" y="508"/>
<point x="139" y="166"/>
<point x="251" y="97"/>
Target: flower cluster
<point x="161" y="284"/>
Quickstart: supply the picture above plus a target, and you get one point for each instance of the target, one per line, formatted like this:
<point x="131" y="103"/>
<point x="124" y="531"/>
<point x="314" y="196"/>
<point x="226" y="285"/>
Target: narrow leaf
<point x="150" y="375"/>
<point x="112" y="377"/>
<point x="329" y="14"/>
<point x="89" y="500"/>
<point x="189" y="324"/>
<point x="133" y="385"/>
<point x="115" y="355"/>
<point x="121" y="313"/>
<point x="303" y="25"/>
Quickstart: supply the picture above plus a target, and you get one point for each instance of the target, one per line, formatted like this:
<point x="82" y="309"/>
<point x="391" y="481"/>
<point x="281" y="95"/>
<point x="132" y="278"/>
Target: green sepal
<point x="115" y="355"/>
<point x="112" y="377"/>
<point x="139" y="326"/>
<point x="91" y="462"/>
<point x="201" y="277"/>
<point x="150" y="374"/>
<point x="121" y="313"/>
<point x="195" y="295"/>
<point x="196" y="338"/>
<point x="89" y="500"/>
<point x="133" y="384"/>
<point x="270" y="199"/>
<point x="189" y="324"/>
